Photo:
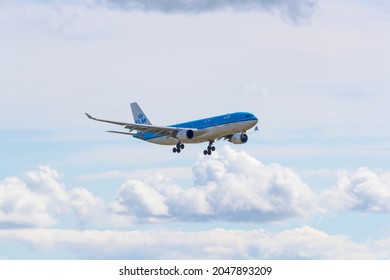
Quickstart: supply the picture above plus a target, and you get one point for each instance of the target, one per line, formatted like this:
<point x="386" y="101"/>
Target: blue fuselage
<point x="213" y="128"/>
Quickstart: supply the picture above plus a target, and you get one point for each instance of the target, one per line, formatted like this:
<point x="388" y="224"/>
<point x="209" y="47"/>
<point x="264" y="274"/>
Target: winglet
<point x="89" y="116"/>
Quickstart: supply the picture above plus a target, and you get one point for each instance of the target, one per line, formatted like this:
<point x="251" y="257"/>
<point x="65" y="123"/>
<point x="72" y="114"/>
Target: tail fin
<point x="138" y="114"/>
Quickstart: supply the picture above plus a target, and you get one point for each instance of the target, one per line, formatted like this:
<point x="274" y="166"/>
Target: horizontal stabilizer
<point x="120" y="132"/>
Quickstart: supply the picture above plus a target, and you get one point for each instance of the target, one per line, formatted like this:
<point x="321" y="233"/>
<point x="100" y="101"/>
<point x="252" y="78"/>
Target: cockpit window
<point x="248" y="116"/>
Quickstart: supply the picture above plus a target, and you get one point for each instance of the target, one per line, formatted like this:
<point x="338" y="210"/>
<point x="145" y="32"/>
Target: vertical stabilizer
<point x="138" y="114"/>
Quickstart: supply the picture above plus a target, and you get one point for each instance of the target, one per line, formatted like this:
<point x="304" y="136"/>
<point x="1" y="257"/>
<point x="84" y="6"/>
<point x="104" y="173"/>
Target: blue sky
<point x="313" y="184"/>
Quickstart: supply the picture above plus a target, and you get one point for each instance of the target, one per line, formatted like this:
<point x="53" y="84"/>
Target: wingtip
<point x="89" y="116"/>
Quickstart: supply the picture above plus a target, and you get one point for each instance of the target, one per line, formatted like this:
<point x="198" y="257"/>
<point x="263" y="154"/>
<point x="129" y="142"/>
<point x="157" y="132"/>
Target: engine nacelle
<point x="239" y="138"/>
<point x="185" y="134"/>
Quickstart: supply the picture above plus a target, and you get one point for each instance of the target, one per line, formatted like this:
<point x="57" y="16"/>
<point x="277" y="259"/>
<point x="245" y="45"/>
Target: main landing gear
<point x="178" y="148"/>
<point x="209" y="149"/>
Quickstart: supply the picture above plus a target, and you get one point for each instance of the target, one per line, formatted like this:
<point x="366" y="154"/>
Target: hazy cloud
<point x="294" y="11"/>
<point x="299" y="243"/>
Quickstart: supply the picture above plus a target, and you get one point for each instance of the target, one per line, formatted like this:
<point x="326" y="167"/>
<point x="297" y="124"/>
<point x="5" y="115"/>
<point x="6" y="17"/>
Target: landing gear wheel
<point x="210" y="148"/>
<point x="178" y="148"/>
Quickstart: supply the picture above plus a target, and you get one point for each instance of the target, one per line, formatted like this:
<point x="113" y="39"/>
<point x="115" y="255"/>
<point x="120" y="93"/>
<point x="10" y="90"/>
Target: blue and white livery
<point x="231" y="127"/>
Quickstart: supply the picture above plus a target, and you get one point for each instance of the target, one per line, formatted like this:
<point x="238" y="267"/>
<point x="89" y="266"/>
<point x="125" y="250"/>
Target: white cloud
<point x="86" y="206"/>
<point x="45" y="182"/>
<point x="231" y="186"/>
<point x="40" y="200"/>
<point x="22" y="207"/>
<point x="298" y="243"/>
<point x="142" y="200"/>
<point x="363" y="190"/>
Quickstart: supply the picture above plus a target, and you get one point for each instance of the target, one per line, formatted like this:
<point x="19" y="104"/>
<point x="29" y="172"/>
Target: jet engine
<point x="185" y="134"/>
<point x="239" y="138"/>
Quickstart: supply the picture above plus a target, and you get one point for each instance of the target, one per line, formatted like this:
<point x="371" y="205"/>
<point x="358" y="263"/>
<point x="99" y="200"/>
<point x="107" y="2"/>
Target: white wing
<point x="163" y="130"/>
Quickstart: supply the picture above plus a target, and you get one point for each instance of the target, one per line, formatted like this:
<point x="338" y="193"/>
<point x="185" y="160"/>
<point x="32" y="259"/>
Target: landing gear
<point x="178" y="148"/>
<point x="209" y="149"/>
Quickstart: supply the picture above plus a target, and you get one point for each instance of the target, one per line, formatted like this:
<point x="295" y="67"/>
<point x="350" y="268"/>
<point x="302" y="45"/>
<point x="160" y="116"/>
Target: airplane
<point x="231" y="127"/>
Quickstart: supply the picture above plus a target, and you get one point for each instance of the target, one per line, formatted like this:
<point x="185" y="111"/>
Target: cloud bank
<point x="232" y="186"/>
<point x="299" y="243"/>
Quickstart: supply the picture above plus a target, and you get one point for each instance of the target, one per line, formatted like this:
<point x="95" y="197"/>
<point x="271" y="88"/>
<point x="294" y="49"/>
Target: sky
<point x="314" y="183"/>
